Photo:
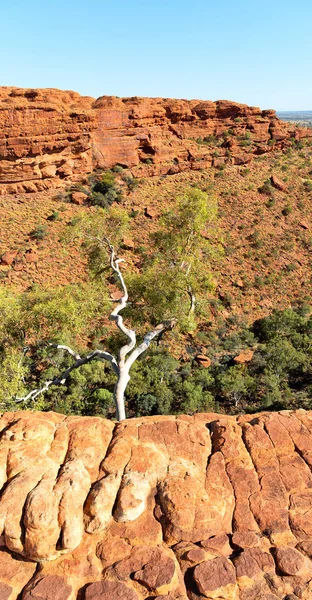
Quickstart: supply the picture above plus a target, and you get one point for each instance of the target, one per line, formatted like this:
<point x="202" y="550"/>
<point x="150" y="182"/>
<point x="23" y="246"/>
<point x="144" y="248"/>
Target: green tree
<point x="176" y="276"/>
<point x="236" y="384"/>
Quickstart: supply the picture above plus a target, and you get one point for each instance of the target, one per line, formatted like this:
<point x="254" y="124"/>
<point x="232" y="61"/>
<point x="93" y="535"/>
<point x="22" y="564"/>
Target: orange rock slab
<point x="172" y="507"/>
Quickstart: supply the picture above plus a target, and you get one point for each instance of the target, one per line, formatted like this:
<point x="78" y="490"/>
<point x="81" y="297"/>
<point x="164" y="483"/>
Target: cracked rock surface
<point x="204" y="506"/>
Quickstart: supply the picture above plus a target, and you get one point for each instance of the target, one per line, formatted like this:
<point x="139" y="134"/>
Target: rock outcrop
<point x="49" y="136"/>
<point x="203" y="506"/>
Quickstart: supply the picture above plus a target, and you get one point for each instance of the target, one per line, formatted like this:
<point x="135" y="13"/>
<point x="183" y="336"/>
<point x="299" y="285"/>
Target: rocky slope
<point x="157" y="507"/>
<point x="48" y="136"/>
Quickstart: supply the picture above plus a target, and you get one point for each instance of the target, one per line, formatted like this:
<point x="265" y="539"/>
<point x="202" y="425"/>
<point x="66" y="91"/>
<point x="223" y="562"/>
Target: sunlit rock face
<point x="203" y="506"/>
<point x="49" y="137"/>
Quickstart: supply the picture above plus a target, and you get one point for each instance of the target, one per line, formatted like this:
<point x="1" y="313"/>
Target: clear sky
<point x="256" y="52"/>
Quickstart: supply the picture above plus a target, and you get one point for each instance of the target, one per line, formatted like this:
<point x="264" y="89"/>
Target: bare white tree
<point x="127" y="353"/>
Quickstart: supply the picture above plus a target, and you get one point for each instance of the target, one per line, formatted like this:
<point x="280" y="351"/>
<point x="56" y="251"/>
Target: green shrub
<point x="106" y="183"/>
<point x="103" y="200"/>
<point x="291" y="267"/>
<point x="131" y="182"/>
<point x="54" y="216"/>
<point x="287" y="210"/>
<point x="118" y="168"/>
<point x="308" y="185"/>
<point x="266" y="188"/>
<point x="210" y="139"/>
<point x="105" y="191"/>
<point x="39" y="233"/>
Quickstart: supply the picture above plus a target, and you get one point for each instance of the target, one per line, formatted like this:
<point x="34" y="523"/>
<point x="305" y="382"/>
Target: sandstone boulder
<point x="278" y="184"/>
<point x="203" y="360"/>
<point x="244" y="357"/>
<point x="78" y="198"/>
<point x="8" y="257"/>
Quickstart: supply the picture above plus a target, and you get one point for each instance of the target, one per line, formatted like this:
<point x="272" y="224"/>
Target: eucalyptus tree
<point x="127" y="355"/>
<point x="176" y="277"/>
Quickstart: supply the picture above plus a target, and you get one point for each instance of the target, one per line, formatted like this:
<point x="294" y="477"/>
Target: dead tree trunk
<point x="127" y="353"/>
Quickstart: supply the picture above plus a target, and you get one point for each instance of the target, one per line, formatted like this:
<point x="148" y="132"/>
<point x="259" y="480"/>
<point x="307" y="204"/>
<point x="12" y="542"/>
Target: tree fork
<point x="127" y="354"/>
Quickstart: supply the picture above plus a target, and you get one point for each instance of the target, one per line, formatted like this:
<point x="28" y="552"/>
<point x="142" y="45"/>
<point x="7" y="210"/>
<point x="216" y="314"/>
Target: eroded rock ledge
<point x="49" y="137"/>
<point x="168" y="507"/>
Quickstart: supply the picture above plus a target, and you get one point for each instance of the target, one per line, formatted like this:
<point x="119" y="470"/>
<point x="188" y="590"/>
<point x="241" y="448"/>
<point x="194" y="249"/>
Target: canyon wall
<point x="50" y="137"/>
<point x="204" y="506"/>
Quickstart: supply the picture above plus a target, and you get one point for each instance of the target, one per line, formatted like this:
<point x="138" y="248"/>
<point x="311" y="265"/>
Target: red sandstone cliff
<point x="207" y="506"/>
<point x="48" y="136"/>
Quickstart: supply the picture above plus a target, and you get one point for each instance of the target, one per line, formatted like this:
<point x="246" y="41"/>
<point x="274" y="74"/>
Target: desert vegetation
<point x="219" y="251"/>
<point x="275" y="374"/>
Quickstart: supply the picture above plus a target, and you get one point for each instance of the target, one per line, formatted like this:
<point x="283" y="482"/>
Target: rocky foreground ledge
<point x="169" y="507"/>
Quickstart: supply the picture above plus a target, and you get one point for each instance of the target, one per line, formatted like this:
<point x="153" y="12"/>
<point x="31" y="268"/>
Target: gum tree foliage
<point x="176" y="274"/>
<point x="30" y="320"/>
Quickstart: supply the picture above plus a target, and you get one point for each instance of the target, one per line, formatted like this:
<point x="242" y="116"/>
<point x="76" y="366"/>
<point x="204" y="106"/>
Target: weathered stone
<point x="203" y="360"/>
<point x="253" y="561"/>
<point x="227" y="438"/>
<point x="78" y="198"/>
<point x="109" y="590"/>
<point x="5" y="591"/>
<point x="31" y="256"/>
<point x="214" y="574"/>
<point x="245" y="539"/>
<point x="242" y="158"/>
<point x="14" y="572"/>
<point x="289" y="560"/>
<point x="196" y="555"/>
<point x="158" y="572"/>
<point x="50" y="587"/>
<point x="304" y="224"/>
<point x="151" y="212"/>
<point x="113" y="549"/>
<point x="128" y="243"/>
<point x="8" y="257"/>
<point x="220" y="490"/>
<point x="219" y="544"/>
<point x="244" y="357"/>
<point x="278" y="184"/>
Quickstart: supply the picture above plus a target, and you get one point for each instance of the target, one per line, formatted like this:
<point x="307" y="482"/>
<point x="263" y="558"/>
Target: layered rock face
<point x="48" y="137"/>
<point x="44" y="138"/>
<point x="182" y="507"/>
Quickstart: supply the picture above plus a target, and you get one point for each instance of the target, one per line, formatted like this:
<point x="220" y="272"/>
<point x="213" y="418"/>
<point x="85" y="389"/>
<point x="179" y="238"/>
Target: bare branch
<point x="192" y="299"/>
<point x="122" y="303"/>
<point x="158" y="331"/>
<point x="96" y="354"/>
<point x="66" y="348"/>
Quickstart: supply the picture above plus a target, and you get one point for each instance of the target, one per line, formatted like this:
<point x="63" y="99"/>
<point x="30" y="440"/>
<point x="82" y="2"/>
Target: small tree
<point x="127" y="354"/>
<point x="235" y="384"/>
<point x="177" y="276"/>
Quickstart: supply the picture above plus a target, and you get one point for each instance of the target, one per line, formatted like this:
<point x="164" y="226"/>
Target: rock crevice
<point x="204" y="506"/>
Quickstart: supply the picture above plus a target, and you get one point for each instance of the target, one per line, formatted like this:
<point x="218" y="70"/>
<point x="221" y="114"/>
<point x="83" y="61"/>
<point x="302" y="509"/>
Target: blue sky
<point x="259" y="53"/>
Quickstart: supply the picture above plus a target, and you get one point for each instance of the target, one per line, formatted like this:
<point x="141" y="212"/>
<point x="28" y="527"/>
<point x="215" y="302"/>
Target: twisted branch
<point x="122" y="303"/>
<point x="96" y="354"/>
<point x="121" y="366"/>
<point x="158" y="331"/>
